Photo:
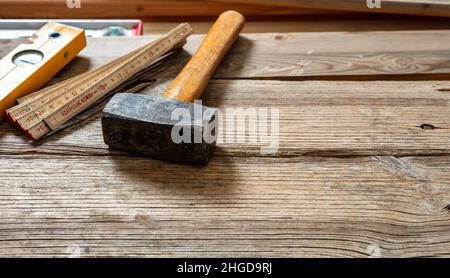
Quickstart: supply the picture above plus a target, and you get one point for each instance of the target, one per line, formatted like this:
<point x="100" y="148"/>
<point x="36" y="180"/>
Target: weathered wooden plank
<point x="247" y="207"/>
<point x="292" y="55"/>
<point x="302" y="55"/>
<point x="334" y="118"/>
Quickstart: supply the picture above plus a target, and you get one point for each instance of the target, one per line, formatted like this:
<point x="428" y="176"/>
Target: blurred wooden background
<point x="205" y="9"/>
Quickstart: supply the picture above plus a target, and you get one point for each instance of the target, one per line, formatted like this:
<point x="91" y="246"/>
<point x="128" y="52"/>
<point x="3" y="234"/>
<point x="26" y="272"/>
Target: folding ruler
<point x="44" y="111"/>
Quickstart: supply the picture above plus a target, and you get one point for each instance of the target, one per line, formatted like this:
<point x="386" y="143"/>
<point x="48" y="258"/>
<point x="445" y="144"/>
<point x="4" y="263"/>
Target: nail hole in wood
<point x="427" y="127"/>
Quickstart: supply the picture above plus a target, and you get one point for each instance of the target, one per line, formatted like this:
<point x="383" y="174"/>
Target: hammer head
<point x="160" y="128"/>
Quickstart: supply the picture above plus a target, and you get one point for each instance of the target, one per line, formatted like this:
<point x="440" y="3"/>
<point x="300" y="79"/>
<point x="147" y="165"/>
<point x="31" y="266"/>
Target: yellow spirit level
<point x="31" y="65"/>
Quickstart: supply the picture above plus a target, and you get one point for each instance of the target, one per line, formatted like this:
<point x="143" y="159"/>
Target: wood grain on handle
<point x="192" y="80"/>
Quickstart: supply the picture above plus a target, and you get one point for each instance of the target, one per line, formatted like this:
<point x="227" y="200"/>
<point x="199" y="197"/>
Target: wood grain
<point x="249" y="207"/>
<point x="409" y="55"/>
<point x="412" y="7"/>
<point x="150" y="9"/>
<point x="362" y="168"/>
<point x="157" y="9"/>
<point x="317" y="118"/>
<point x="375" y="118"/>
<point x="328" y="24"/>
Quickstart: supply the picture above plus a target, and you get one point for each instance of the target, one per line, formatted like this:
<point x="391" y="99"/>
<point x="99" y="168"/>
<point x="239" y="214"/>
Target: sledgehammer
<point x="144" y="125"/>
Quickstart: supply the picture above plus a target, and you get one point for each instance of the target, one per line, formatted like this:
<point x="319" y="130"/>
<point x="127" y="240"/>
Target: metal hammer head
<point x="161" y="128"/>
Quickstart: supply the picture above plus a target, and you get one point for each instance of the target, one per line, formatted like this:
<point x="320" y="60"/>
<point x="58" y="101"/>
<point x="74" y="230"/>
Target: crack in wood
<point x="446" y="208"/>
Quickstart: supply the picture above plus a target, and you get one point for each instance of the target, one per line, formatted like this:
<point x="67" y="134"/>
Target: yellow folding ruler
<point x="31" y="65"/>
<point x="43" y="111"/>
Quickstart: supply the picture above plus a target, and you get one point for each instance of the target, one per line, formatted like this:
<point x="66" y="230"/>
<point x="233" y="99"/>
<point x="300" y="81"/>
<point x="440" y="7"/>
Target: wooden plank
<point x="247" y="207"/>
<point x="349" y="55"/>
<point x="308" y="25"/>
<point x="411" y="7"/>
<point x="412" y="55"/>
<point x="153" y="9"/>
<point x="338" y="54"/>
<point x="326" y="118"/>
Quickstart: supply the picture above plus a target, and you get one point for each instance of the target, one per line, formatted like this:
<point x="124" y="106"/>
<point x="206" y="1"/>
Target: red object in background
<point x="138" y="30"/>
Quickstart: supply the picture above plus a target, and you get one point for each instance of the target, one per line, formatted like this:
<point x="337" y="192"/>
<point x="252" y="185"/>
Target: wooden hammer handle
<point x="192" y="80"/>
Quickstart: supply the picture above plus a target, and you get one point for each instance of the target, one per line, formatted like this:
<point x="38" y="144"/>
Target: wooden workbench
<point x="363" y="167"/>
